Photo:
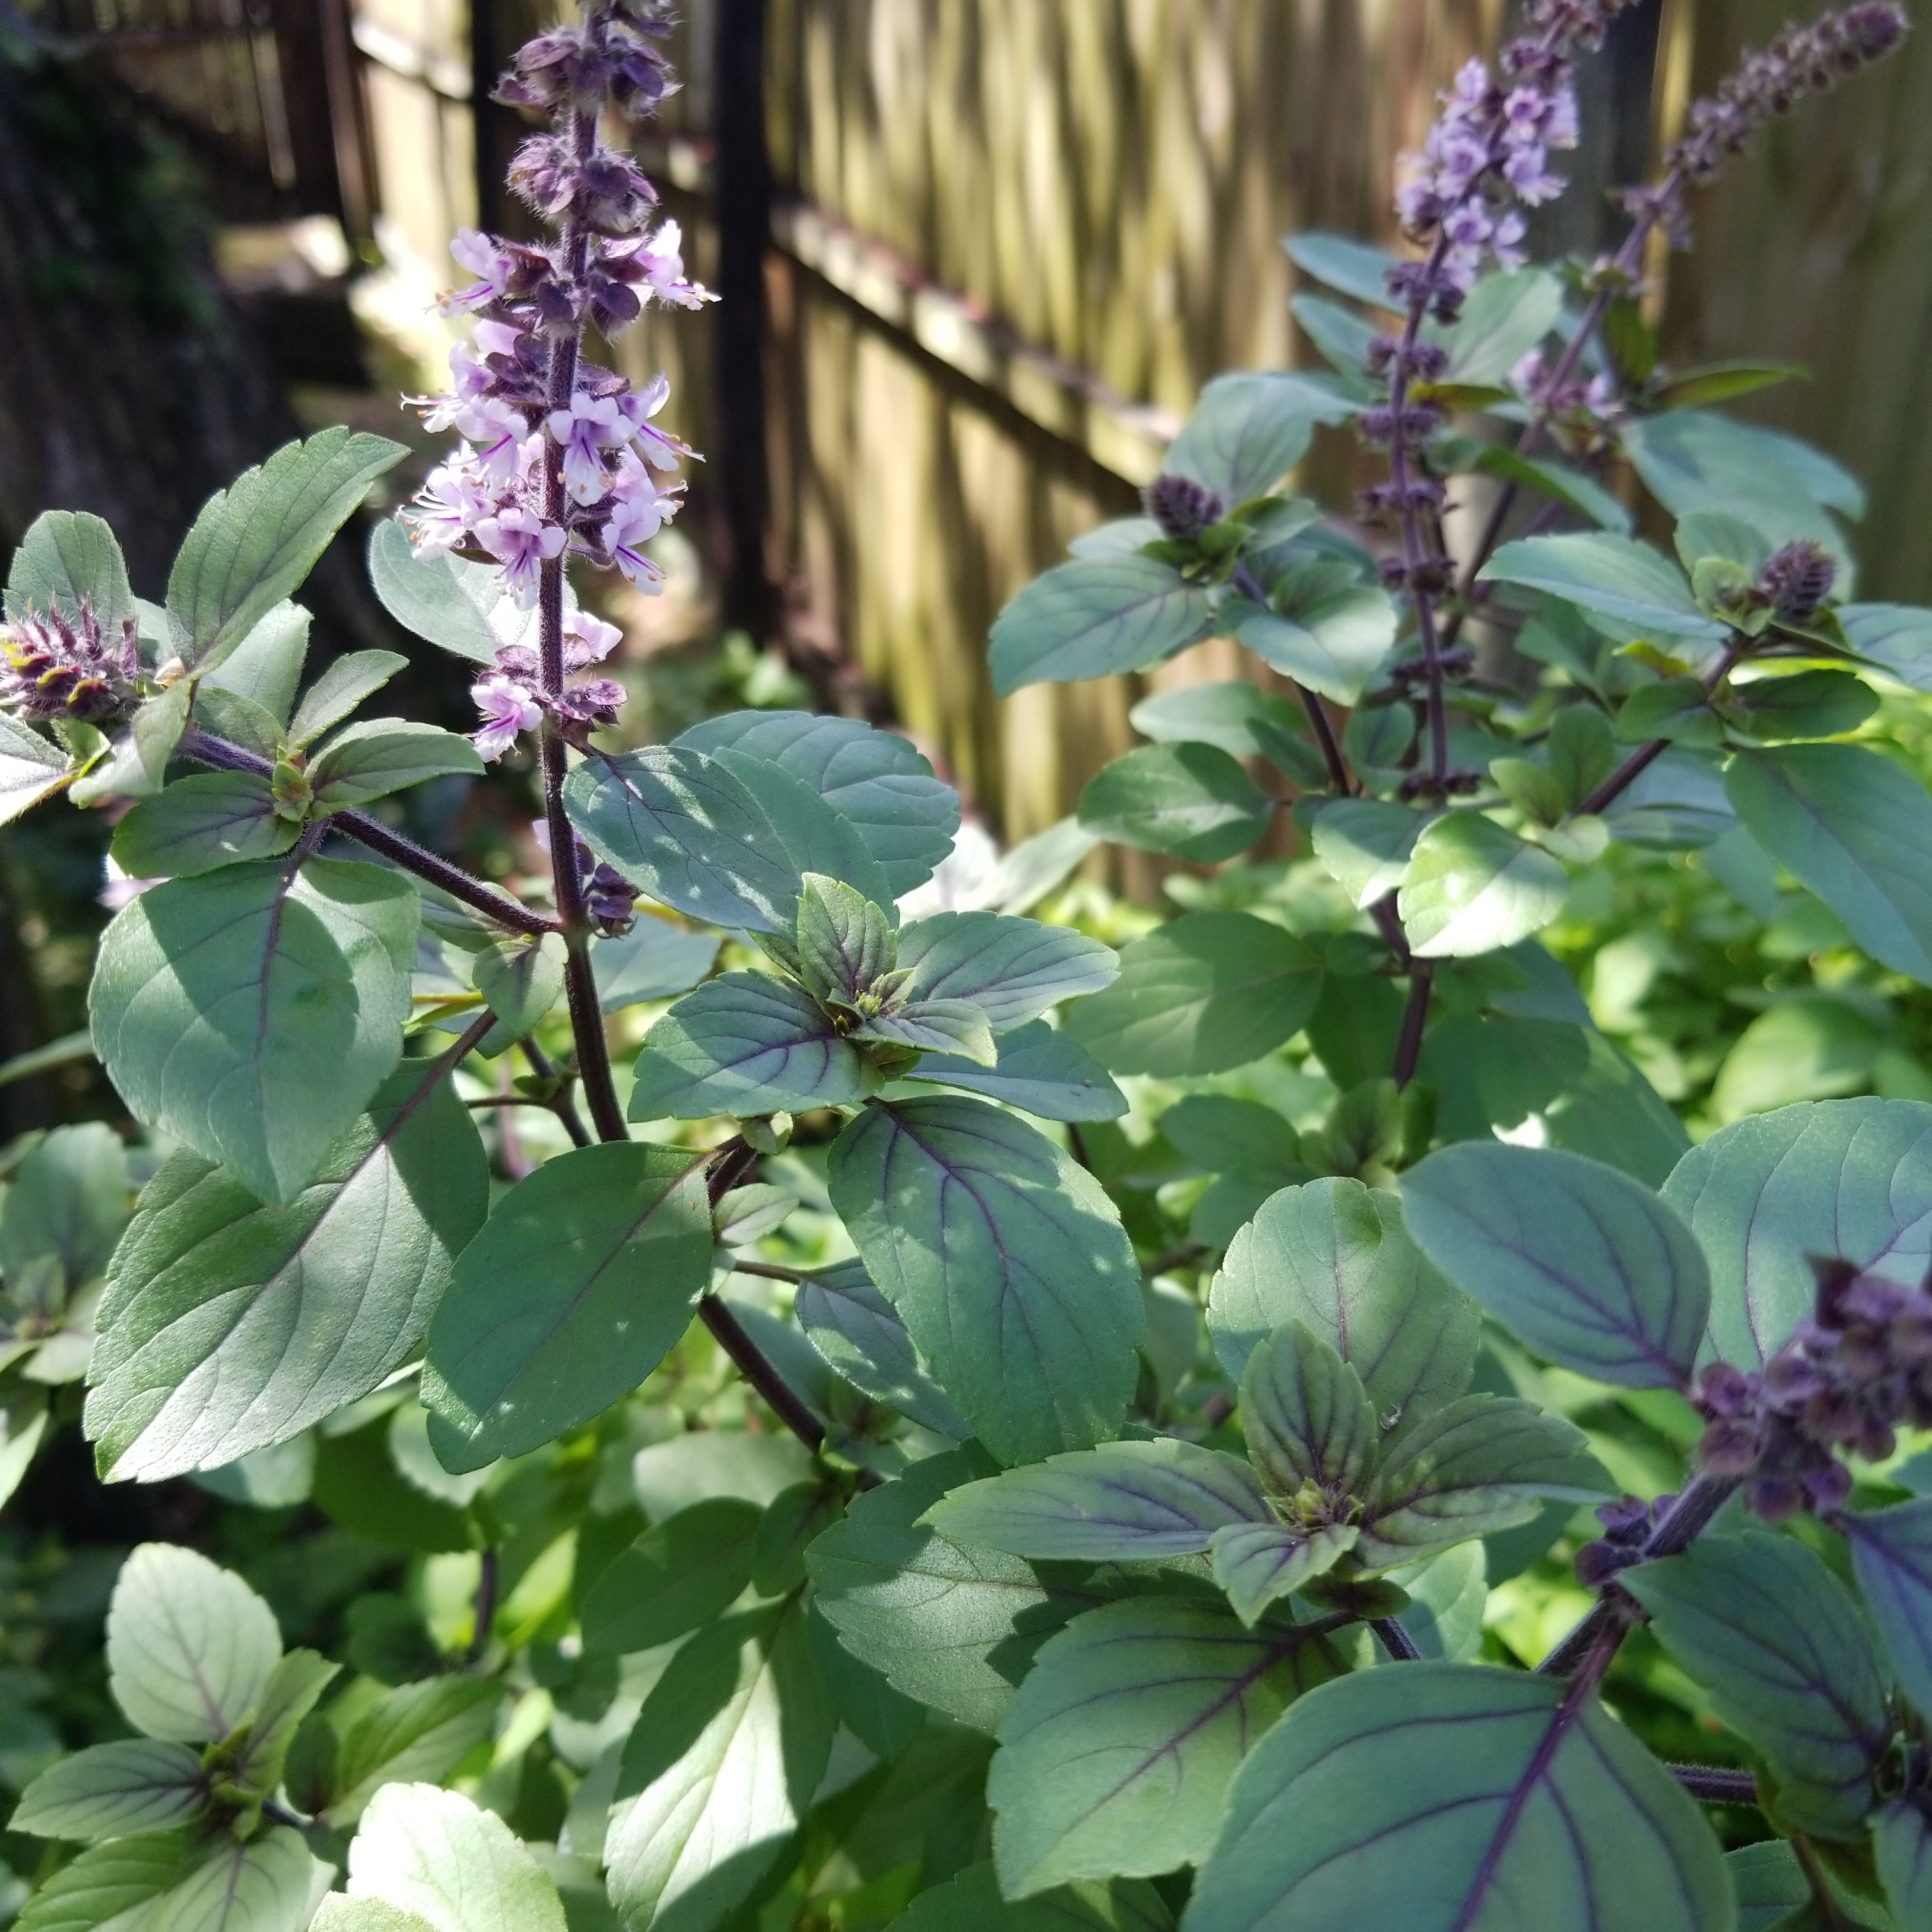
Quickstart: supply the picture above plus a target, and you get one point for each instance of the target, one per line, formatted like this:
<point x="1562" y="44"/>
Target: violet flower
<point x="508" y="709"/>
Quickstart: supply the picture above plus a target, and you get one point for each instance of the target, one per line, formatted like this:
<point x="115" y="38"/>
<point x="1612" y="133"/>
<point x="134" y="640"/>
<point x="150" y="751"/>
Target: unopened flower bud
<point x="1182" y="507"/>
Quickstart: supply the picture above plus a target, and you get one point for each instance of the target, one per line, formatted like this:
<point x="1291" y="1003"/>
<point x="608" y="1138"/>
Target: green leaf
<point x="1205" y="992"/>
<point x="1039" y="1070"/>
<point x="1341" y="263"/>
<point x="1123" y="1502"/>
<point x="1689" y="461"/>
<point x="521" y="979"/>
<point x="1641" y="593"/>
<point x="1857" y="830"/>
<point x="109" y="1790"/>
<point x="137" y="760"/>
<point x="675" y="1578"/>
<point x="198" y="823"/>
<point x="1259" y="1563"/>
<point x="680" y="826"/>
<point x="884" y="1721"/>
<point x="742" y="1045"/>
<point x="1804" y="1049"/>
<point x="31" y="768"/>
<point x="1116" y="1756"/>
<point x="268" y="1884"/>
<point x="264" y="668"/>
<point x="1007" y="1262"/>
<point x="1442" y="1798"/>
<point x="725" y="1778"/>
<point x="445" y="598"/>
<point x="1364" y="843"/>
<point x="110" y="1886"/>
<point x="339" y="690"/>
<point x="1191" y="801"/>
<point x="1505" y="316"/>
<point x="1848" y="1178"/>
<point x="971" y="1903"/>
<point x="859" y="1334"/>
<point x="1891" y="1554"/>
<point x="458" y="1868"/>
<point x="1589" y="1267"/>
<point x="1013" y="970"/>
<point x="1807" y="704"/>
<point x="254" y="1011"/>
<point x="1483" y="1464"/>
<point x="955" y="1027"/>
<point x="586" y="1273"/>
<point x="69" y="1199"/>
<point x="876" y="780"/>
<point x="844" y="941"/>
<point x="1676" y="708"/>
<point x="1900" y="1834"/>
<point x="953" y="1628"/>
<point x="294" y="1688"/>
<point x="387" y="754"/>
<point x="1307" y="1416"/>
<point x="815" y="837"/>
<point x="1720" y="382"/>
<point x="1335" y="1256"/>
<point x="1323" y="629"/>
<point x="1342" y="337"/>
<point x="1471" y="887"/>
<point x="227" y="1325"/>
<point x="1095" y="616"/>
<point x="1222" y="714"/>
<point x="1247" y="429"/>
<point x="190" y="1647"/>
<point x="1788" y="1662"/>
<point x="1573" y="488"/>
<point x="1897" y="637"/>
<point x="653" y="961"/>
<point x="227" y="714"/>
<point x="415" y="1731"/>
<point x="254" y="541"/>
<point x="68" y="556"/>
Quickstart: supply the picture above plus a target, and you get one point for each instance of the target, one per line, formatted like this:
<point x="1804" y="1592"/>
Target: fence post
<point x="742" y="209"/>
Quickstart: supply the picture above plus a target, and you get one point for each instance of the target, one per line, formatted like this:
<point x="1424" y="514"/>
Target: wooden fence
<point x="1009" y="239"/>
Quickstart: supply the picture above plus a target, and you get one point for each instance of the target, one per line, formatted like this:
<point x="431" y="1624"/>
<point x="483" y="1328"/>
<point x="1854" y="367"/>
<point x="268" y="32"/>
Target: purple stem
<point x="206" y="749"/>
<point x="587" y="1017"/>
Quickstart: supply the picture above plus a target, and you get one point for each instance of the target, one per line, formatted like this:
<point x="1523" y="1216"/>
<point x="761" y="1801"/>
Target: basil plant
<point x="1272" y="1424"/>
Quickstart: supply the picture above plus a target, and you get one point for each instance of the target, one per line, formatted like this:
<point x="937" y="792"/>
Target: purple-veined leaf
<point x="1122" y="1502"/>
<point x="1452" y="1798"/>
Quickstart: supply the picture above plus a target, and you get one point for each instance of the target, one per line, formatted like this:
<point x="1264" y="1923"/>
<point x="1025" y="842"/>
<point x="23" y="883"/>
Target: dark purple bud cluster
<point x="609" y="898"/>
<point x="1182" y="507"/>
<point x="1802" y="61"/>
<point x="1797" y="580"/>
<point x="63" y="664"/>
<point x="1457" y="662"/>
<point x="1433" y="575"/>
<point x="1387" y="503"/>
<point x="1379" y="427"/>
<point x="1860" y="1366"/>
<point x="1628" y="1523"/>
<point x="1426" y="360"/>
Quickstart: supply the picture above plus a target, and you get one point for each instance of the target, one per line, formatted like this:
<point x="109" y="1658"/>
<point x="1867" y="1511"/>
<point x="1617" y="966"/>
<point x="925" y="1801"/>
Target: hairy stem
<point x="587" y="1017"/>
<point x="1396" y="1641"/>
<point x="562" y="1105"/>
<point x="1710" y="1785"/>
<point x="1414" y="1019"/>
<point x="488" y="1576"/>
<point x="1616" y="1613"/>
<point x="731" y="1164"/>
<point x="206" y="749"/>
<point x="1418" y="549"/>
